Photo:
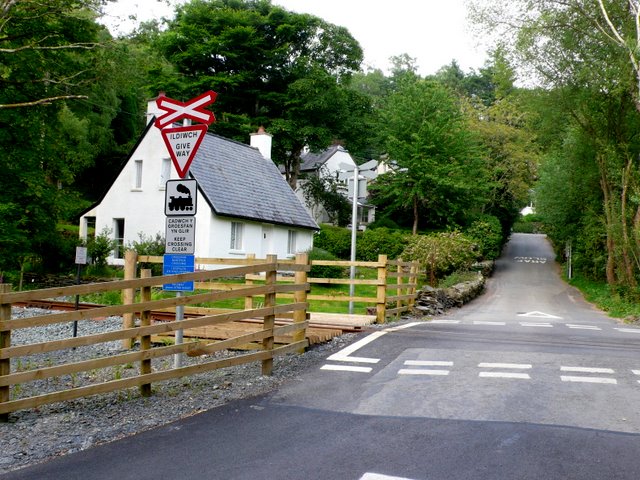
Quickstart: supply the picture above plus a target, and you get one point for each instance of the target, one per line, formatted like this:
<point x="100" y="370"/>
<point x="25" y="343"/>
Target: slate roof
<point x="237" y="181"/>
<point x="312" y="161"/>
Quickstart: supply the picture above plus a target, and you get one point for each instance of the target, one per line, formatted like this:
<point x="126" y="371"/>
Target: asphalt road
<point x="526" y="382"/>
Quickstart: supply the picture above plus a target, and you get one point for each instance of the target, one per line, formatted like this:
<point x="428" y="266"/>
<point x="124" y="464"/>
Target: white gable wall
<point x="143" y="211"/>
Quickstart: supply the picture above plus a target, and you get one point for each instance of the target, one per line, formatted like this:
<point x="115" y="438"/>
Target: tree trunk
<point x="414" y="230"/>
<point x="608" y="214"/>
<point x="626" y="244"/>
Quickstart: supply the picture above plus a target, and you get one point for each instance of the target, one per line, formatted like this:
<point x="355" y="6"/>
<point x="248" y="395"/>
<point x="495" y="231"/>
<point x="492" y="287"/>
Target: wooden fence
<point x="37" y="368"/>
<point x="263" y="278"/>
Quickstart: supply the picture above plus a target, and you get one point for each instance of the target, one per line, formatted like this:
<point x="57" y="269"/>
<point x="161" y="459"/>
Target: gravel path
<point x="35" y="435"/>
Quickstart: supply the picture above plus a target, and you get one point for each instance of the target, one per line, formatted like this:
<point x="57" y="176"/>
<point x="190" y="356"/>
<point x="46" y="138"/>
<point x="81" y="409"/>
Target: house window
<point x="165" y="172"/>
<point x="118" y="224"/>
<point x="137" y="183"/>
<point x="237" y="230"/>
<point x="291" y="242"/>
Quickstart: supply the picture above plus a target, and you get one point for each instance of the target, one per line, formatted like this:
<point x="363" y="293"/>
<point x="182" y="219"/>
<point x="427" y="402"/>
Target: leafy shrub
<point x="324" y="271"/>
<point x="147" y="245"/>
<point x="380" y="241"/>
<point x="99" y="248"/>
<point x="486" y="231"/>
<point x="335" y="240"/>
<point x="383" y="222"/>
<point x="441" y="253"/>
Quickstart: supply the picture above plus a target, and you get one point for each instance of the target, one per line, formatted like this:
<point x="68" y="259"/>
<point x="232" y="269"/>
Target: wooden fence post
<point x="413" y="279"/>
<point x="300" y="316"/>
<point x="399" y="290"/>
<point x="381" y="296"/>
<point x="128" y="294"/>
<point x="269" y="320"/>
<point x="248" y="301"/>
<point x="145" y="340"/>
<point x="5" y="342"/>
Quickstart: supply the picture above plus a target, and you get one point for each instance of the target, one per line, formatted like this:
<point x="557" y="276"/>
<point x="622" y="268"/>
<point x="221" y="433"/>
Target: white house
<point x="244" y="206"/>
<point x="336" y="163"/>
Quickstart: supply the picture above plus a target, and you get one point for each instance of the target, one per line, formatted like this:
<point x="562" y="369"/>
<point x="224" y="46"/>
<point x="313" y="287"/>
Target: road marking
<point x="451" y="322"/>
<point x="421" y="371"/>
<point x="522" y="376"/>
<point x="628" y="330"/>
<point x="377" y="476"/>
<point x="537" y="314"/>
<point x="344" y="354"/>
<point x="582" y="327"/>
<point x="587" y="370"/>
<point x="346" y="368"/>
<point x="538" y="324"/>
<point x="636" y="372"/>
<point x="519" y="366"/>
<point x="402" y="327"/>
<point x="612" y="381"/>
<point x="480" y="322"/>
<point x="428" y="363"/>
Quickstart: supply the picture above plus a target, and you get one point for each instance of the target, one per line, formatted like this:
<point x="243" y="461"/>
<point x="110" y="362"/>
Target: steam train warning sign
<point x="180" y="197"/>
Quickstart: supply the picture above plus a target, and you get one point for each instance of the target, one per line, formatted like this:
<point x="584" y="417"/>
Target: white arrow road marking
<point x="344" y="354"/>
<point x="537" y="314"/>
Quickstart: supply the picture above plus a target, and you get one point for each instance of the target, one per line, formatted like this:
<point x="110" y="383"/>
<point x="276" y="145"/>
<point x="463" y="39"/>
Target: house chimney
<point x="262" y="141"/>
<point x="152" y="108"/>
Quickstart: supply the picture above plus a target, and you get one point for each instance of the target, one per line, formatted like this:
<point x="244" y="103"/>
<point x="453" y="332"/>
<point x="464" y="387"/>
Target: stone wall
<point x="435" y="301"/>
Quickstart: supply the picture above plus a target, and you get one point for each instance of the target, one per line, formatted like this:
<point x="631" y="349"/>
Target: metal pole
<point x="177" y="358"/>
<point x="75" y="322"/>
<point x="354" y="229"/>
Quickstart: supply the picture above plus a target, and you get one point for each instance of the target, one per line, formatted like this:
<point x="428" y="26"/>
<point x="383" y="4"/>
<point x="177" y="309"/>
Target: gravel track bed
<point x="35" y="435"/>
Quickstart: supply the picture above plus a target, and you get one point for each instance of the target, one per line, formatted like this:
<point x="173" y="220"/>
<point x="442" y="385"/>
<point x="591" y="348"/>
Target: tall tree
<point x="286" y="71"/>
<point x="439" y="170"/>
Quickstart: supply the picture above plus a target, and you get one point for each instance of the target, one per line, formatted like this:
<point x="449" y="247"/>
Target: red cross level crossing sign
<point x="183" y="142"/>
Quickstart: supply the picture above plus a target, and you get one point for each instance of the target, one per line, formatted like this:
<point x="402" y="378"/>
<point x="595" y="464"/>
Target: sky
<point x="434" y="32"/>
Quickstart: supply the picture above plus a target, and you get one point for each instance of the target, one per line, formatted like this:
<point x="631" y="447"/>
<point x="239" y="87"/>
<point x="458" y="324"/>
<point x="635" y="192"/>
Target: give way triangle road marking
<point x="537" y="315"/>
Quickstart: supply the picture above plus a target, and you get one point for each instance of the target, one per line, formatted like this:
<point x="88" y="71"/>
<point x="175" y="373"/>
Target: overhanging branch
<point x="43" y="101"/>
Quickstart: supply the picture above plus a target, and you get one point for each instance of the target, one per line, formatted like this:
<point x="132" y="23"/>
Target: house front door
<point x="267" y="236"/>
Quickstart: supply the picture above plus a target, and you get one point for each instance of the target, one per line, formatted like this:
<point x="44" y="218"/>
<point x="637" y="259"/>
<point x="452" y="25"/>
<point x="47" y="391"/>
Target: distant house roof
<point x="237" y="181"/>
<point x="312" y="161"/>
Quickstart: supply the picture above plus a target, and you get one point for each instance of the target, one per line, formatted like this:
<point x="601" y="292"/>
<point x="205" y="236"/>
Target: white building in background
<point x="244" y="206"/>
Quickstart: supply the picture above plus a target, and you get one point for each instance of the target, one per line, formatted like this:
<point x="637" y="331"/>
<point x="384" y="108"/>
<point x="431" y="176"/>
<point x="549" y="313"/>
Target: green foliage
<point x="441" y="253"/>
<point x="335" y="240"/>
<point x="380" y="241"/>
<point x="99" y="248"/>
<point x="486" y="231"/>
<point x="324" y="271"/>
<point x="456" y="278"/>
<point x="323" y="190"/>
<point x="439" y="175"/>
<point x="148" y="245"/>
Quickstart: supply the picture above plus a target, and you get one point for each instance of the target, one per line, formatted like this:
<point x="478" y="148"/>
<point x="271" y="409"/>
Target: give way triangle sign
<point x="183" y="143"/>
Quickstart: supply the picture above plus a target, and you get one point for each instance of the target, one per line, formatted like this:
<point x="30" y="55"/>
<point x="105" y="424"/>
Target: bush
<point x="98" y="249"/>
<point x="335" y="240"/>
<point x="487" y="233"/>
<point x="441" y="253"/>
<point x="149" y="246"/>
<point x="380" y="241"/>
<point x="322" y="271"/>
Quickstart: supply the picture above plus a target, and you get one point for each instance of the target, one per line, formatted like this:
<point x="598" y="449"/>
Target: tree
<point x="286" y="71"/>
<point x="439" y="174"/>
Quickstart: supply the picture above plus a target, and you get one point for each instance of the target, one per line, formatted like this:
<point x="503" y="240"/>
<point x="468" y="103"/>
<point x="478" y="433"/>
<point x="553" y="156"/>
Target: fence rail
<point x="394" y="285"/>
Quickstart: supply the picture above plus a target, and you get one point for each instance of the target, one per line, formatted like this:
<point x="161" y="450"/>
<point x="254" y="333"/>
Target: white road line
<point x="480" y="322"/>
<point x="611" y="381"/>
<point x="346" y="368"/>
<point x="521" y="376"/>
<point x="534" y="324"/>
<point x="583" y="327"/>
<point x="377" y="476"/>
<point x="343" y="355"/>
<point x="402" y="327"/>
<point x="628" y="330"/>
<point x="452" y="322"/>
<point x="587" y="370"/>
<point x="421" y="371"/>
<point x="428" y="363"/>
<point x="522" y="366"/>
<point x="636" y="372"/>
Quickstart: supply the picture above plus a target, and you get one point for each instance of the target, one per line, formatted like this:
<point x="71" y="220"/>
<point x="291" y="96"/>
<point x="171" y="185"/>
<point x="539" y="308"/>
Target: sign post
<point x="81" y="259"/>
<point x="180" y="195"/>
